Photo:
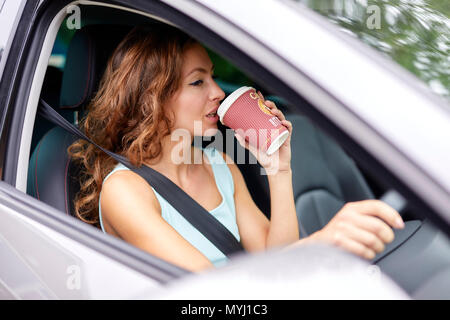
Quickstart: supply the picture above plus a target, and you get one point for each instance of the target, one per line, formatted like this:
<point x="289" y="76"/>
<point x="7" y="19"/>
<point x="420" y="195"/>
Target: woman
<point x="160" y="81"/>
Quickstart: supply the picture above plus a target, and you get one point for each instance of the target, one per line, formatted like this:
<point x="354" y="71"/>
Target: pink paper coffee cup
<point x="244" y="110"/>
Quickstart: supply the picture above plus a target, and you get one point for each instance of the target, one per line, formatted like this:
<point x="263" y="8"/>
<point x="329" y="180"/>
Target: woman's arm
<point x="283" y="217"/>
<point x="256" y="231"/>
<point x="283" y="226"/>
<point x="131" y="208"/>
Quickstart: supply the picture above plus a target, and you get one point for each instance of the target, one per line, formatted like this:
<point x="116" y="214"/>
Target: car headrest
<point x="88" y="53"/>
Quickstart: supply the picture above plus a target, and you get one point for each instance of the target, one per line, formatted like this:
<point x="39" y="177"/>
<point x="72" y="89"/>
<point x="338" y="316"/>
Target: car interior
<point x="325" y="176"/>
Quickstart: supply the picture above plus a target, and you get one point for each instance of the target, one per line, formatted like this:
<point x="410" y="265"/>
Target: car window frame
<point x="9" y="66"/>
<point x="10" y="28"/>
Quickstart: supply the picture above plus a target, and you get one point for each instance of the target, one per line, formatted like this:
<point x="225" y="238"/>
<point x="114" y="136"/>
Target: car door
<point x="39" y="261"/>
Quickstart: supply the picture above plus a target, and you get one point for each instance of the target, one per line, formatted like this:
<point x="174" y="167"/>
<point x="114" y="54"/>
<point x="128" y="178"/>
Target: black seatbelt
<point x="190" y="209"/>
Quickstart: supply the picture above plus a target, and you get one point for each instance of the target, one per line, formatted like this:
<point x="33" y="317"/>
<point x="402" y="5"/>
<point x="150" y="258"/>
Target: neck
<point x="178" y="159"/>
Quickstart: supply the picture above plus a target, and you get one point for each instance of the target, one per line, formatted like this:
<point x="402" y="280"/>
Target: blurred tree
<point x="415" y="34"/>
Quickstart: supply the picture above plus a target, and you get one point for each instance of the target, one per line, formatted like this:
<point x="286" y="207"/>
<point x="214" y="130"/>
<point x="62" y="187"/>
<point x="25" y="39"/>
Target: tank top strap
<point x="221" y="170"/>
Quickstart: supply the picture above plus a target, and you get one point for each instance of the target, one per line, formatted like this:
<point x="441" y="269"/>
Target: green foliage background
<point x="414" y="33"/>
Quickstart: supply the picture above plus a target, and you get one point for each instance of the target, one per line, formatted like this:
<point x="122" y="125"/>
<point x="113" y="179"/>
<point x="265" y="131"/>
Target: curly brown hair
<point x="126" y="115"/>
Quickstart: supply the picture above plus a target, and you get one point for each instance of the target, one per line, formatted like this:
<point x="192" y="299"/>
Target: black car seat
<point x="324" y="176"/>
<point x="51" y="91"/>
<point x="51" y="176"/>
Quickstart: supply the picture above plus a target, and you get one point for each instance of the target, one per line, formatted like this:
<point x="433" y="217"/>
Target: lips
<point x="212" y="112"/>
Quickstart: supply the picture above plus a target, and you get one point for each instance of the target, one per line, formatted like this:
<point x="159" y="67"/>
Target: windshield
<point x="415" y="34"/>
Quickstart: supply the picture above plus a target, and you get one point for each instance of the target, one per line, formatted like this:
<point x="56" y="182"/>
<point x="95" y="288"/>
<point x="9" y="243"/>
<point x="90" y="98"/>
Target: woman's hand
<point x="362" y="228"/>
<point x="279" y="161"/>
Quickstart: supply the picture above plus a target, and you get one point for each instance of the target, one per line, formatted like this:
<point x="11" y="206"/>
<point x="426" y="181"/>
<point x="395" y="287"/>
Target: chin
<point x="210" y="132"/>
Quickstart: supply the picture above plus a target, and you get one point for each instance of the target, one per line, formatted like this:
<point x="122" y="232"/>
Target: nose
<point x="217" y="93"/>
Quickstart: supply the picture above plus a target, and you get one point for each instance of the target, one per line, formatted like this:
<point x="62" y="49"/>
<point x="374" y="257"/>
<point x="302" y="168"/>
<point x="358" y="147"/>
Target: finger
<point x="260" y="95"/>
<point x="270" y="104"/>
<point x="278" y="113"/>
<point x="353" y="246"/>
<point x="374" y="226"/>
<point x="288" y="125"/>
<point x="381" y="210"/>
<point x="368" y="239"/>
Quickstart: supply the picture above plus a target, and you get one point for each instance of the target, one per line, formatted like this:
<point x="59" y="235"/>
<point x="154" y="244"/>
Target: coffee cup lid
<point x="225" y="105"/>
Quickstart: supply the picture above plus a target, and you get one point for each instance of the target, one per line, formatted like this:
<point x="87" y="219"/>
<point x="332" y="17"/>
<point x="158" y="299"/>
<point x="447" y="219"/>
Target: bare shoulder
<point x="125" y="187"/>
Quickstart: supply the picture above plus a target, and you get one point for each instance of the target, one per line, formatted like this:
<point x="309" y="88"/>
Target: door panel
<point x="40" y="263"/>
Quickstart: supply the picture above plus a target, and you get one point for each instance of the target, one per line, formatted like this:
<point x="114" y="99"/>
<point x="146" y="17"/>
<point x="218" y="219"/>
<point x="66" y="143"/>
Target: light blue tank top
<point x="225" y="212"/>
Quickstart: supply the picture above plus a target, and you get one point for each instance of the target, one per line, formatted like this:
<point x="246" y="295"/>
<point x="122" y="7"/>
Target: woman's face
<point x="198" y="94"/>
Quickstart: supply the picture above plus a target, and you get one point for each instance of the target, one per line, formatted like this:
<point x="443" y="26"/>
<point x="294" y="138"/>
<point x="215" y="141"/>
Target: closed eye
<point x="196" y="83"/>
